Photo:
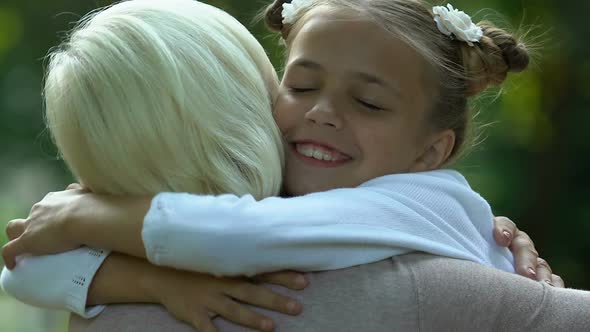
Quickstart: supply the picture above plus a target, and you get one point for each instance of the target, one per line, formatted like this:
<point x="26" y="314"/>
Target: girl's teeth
<point x="312" y="152"/>
<point x="318" y="155"/>
<point x="307" y="152"/>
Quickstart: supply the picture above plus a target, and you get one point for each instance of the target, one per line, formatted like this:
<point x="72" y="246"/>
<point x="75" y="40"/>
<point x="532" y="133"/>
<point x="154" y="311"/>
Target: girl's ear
<point x="436" y="152"/>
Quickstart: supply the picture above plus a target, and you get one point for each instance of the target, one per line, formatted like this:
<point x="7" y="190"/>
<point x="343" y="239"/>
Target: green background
<point x="531" y="166"/>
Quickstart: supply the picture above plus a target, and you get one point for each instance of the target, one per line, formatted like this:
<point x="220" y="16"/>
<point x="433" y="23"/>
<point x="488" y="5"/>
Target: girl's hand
<point x="44" y="231"/>
<point x="197" y="298"/>
<point x="526" y="258"/>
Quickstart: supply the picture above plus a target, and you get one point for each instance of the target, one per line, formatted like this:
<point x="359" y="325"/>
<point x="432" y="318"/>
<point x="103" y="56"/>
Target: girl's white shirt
<point x="226" y="235"/>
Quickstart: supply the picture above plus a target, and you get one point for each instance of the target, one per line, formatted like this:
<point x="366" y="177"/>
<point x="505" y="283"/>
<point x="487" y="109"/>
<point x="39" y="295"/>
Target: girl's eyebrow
<point x="372" y="79"/>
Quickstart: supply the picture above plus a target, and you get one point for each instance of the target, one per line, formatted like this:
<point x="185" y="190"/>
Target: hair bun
<point x="497" y="53"/>
<point x="515" y="54"/>
<point x="273" y="15"/>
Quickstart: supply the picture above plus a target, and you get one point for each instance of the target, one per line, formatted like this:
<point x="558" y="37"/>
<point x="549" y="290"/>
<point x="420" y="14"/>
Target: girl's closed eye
<point x="368" y="105"/>
<point x="301" y="89"/>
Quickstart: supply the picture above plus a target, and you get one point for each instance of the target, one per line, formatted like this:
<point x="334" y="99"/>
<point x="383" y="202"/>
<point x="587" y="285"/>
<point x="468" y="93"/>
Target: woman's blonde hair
<point x="459" y="71"/>
<point x="148" y="96"/>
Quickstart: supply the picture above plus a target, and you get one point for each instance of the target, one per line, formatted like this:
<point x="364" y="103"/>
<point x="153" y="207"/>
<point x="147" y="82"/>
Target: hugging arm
<point x="67" y="281"/>
<point x="190" y="297"/>
<point x="285" y="228"/>
<point x="230" y="235"/>
<point x="392" y="215"/>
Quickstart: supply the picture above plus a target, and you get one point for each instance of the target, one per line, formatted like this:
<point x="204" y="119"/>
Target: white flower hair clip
<point x="456" y="24"/>
<point x="291" y="10"/>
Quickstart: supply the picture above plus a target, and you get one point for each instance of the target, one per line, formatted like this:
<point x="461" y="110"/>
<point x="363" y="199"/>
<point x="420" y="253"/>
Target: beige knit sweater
<point x="414" y="292"/>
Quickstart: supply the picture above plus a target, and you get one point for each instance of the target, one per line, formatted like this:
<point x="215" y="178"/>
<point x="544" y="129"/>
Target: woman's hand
<point x="197" y="298"/>
<point x="44" y="231"/>
<point x="526" y="258"/>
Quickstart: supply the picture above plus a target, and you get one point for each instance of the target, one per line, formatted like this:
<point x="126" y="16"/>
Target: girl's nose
<point x="324" y="114"/>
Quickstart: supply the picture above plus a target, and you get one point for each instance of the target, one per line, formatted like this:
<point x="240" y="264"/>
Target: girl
<point x="331" y="147"/>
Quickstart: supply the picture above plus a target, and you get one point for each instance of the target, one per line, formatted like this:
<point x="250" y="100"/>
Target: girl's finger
<point x="10" y="251"/>
<point x="240" y="314"/>
<point x="504" y="230"/>
<point x="264" y="298"/>
<point x="525" y="255"/>
<point x="74" y="186"/>
<point x="289" y="279"/>
<point x="202" y="322"/>
<point x="557" y="281"/>
<point x="15" y="228"/>
<point x="544" y="272"/>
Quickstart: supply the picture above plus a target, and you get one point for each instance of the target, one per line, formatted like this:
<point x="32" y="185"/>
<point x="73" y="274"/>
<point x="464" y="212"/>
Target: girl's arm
<point x="63" y="281"/>
<point x="434" y="212"/>
<point x="193" y="298"/>
<point x="112" y="220"/>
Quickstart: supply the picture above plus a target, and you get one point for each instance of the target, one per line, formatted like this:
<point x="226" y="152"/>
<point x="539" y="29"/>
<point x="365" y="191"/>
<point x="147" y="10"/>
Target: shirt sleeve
<point x="58" y="281"/>
<point x="434" y="212"/>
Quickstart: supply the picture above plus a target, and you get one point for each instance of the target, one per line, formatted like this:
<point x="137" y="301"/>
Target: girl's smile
<point x="319" y="154"/>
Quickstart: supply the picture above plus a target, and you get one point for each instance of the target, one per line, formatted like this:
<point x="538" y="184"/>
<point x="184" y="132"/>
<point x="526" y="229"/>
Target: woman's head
<point x="149" y="96"/>
<point x="373" y="87"/>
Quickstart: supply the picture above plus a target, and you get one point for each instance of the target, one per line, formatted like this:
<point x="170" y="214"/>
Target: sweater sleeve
<point x="58" y="281"/>
<point x="434" y="212"/>
<point x="462" y="296"/>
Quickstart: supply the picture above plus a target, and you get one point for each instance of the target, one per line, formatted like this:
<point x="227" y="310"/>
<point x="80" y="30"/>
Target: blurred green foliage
<point x="531" y="166"/>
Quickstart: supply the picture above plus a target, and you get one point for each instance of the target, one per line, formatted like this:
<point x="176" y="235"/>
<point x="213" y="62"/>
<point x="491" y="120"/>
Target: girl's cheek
<point x="287" y="112"/>
<point x="282" y="117"/>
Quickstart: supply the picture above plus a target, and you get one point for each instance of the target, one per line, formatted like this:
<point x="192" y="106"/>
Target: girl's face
<point x="352" y="106"/>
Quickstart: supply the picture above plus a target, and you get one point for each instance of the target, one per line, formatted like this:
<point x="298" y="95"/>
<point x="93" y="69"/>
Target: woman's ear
<point x="436" y="152"/>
